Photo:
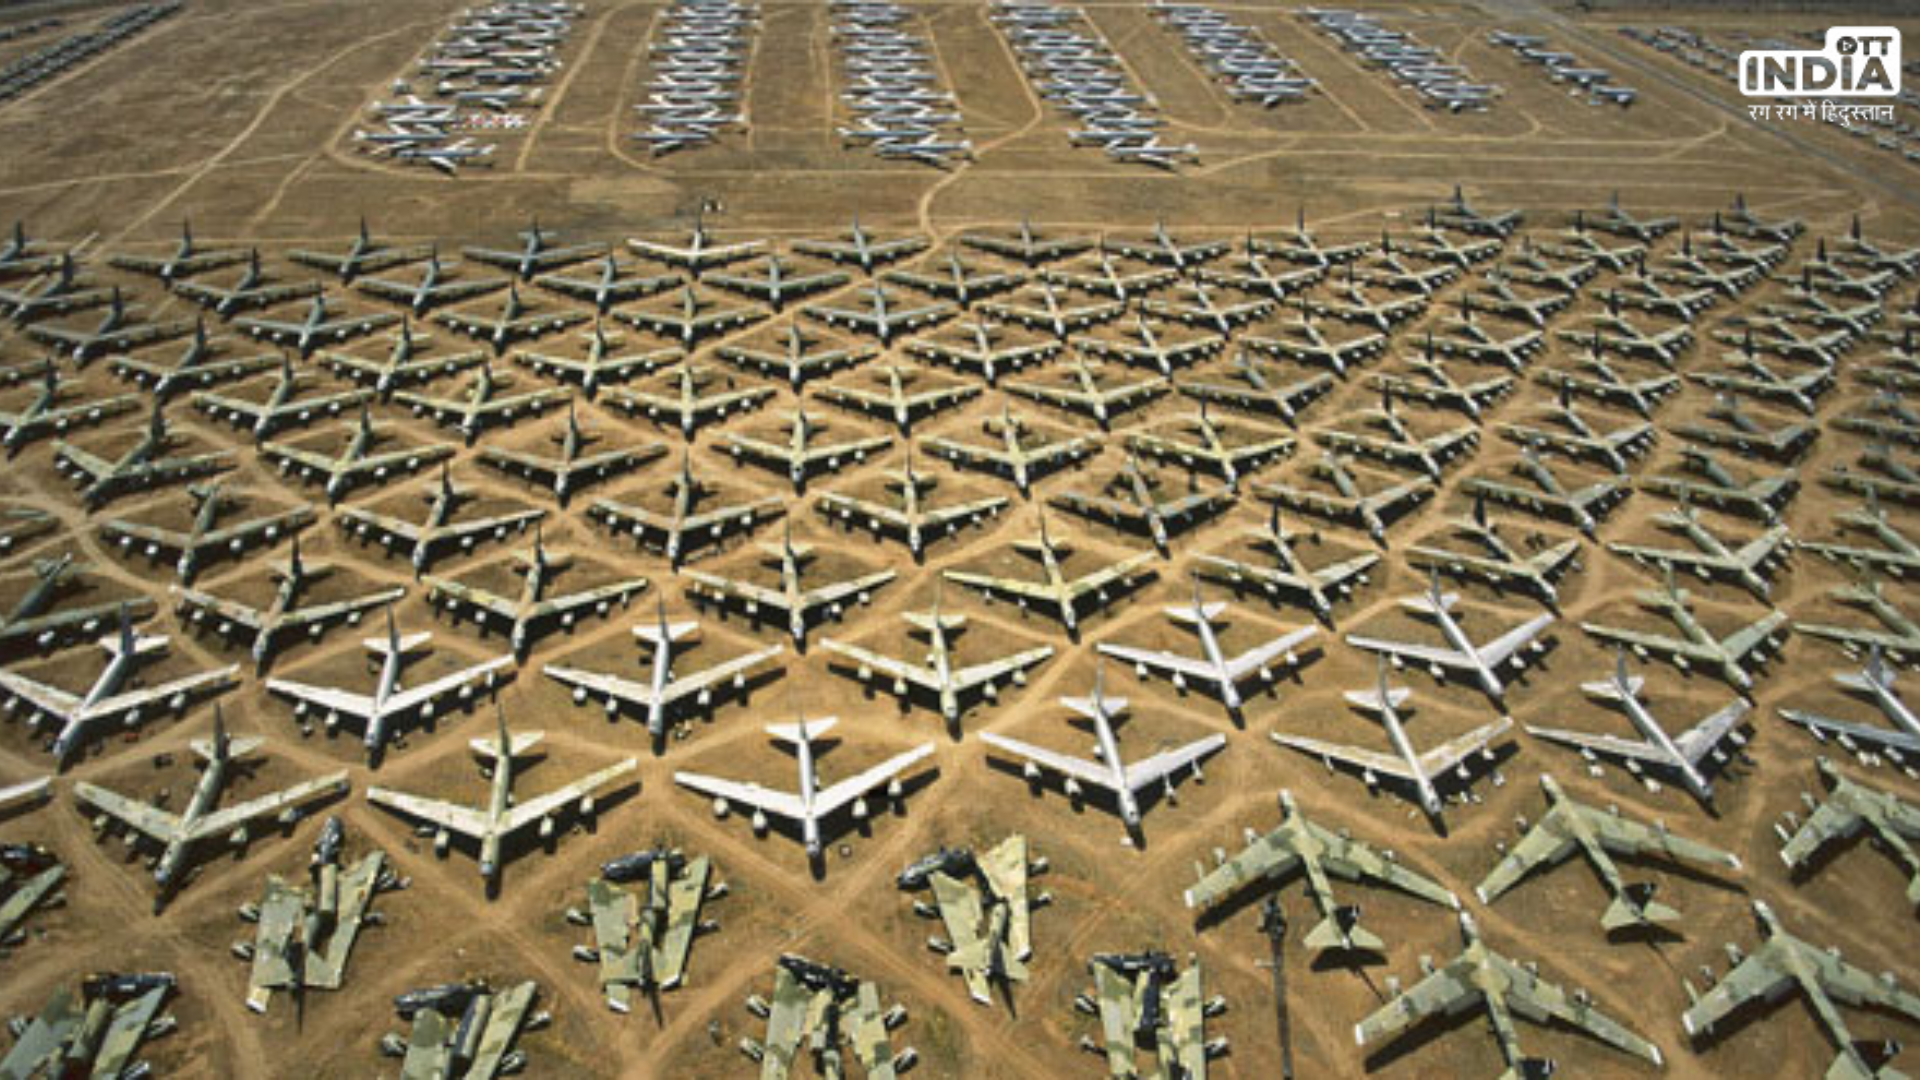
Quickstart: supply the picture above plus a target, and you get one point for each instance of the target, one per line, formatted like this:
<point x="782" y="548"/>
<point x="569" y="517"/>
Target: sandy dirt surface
<point x="240" y="117"/>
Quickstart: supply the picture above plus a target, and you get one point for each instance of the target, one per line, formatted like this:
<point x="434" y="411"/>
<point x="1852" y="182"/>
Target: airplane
<point x="445" y="156"/>
<point x="1027" y="246"/>
<point x="515" y="322"/>
<point x="116" y="331"/>
<point x="108" y="700"/>
<point x="1783" y="963"/>
<point x="1839" y="278"/>
<point x="389" y="702"/>
<point x="435" y="287"/>
<point x="1505" y="989"/>
<point x="1107" y="278"/>
<point x="1086" y="394"/>
<point x="1045" y="312"/>
<point x="1747" y="564"/>
<point x="306" y="933"/>
<point x="1107" y="770"/>
<point x="1458" y="214"/>
<point x="1319" y="586"/>
<point x="939" y="676"/>
<point x="1128" y="501"/>
<point x="1754" y="378"/>
<point x="1018" y="458"/>
<point x="426" y="540"/>
<point x="536" y="255"/>
<point x="201" y="541"/>
<point x="503" y="817"/>
<point x="356" y="462"/>
<point x="403" y="365"/>
<point x="797" y="457"/>
<point x="1779" y="337"/>
<point x="699" y="253"/>
<point x="62" y="290"/>
<point x="1744" y="222"/>
<point x="574" y="468"/>
<point x="800" y="360"/>
<point x="665" y="688"/>
<point x="265" y="626"/>
<point x="1460" y="653"/>
<point x="1848" y="809"/>
<point x="1549" y="497"/>
<point x="23" y="256"/>
<point x="280" y="406"/>
<point x="1760" y="497"/>
<point x="1580" y="439"/>
<point x="1256" y="389"/>
<point x="307" y="333"/>
<point x="140" y="468"/>
<point x="985" y="946"/>
<point x="1212" y="450"/>
<point x="1685" y="268"/>
<point x="810" y="807"/>
<point x="99" y="1028"/>
<point x="1608" y="386"/>
<point x="30" y="878"/>
<point x="861" y="248"/>
<point x="1898" y="482"/>
<point x="1140" y="1001"/>
<point x="695" y="316"/>
<point x="914" y="521"/>
<point x="1618" y="221"/>
<point x="25" y="795"/>
<point x="1348" y="503"/>
<point x="601" y="364"/>
<point x="1144" y="348"/>
<point x="1502" y="565"/>
<point x="1895" y="422"/>
<point x="464" y="1029"/>
<point x="614" y="284"/>
<point x="363" y="255"/>
<point x="1857" y="249"/>
<point x="779" y="282"/>
<point x="1251" y="276"/>
<point x="687" y="404"/>
<point x="1196" y="306"/>
<point x="45" y="413"/>
<point x="1306" y="342"/>
<point x="1896" y="555"/>
<point x="1680" y="754"/>
<point x="187" y="259"/>
<point x="1058" y="595"/>
<point x="883" y="313"/>
<point x="976" y="350"/>
<point x="532" y="611"/>
<point x="1386" y="267"/>
<point x="1399" y="445"/>
<point x="789" y="598"/>
<point x="1569" y="827"/>
<point x="1213" y="667"/>
<point x="1301" y="844"/>
<point x="1163" y="248"/>
<point x="178" y="835"/>
<point x="252" y="289"/>
<point x="34" y="619"/>
<point x="1741" y="432"/>
<point x="1578" y="243"/>
<point x="641" y="938"/>
<point x="480" y="403"/>
<point x="1352" y="305"/>
<point x="1429" y="381"/>
<point x="896" y="403"/>
<point x="1610" y="331"/>
<point x="1899" y="636"/>
<point x="682" y="529"/>
<point x="1724" y="656"/>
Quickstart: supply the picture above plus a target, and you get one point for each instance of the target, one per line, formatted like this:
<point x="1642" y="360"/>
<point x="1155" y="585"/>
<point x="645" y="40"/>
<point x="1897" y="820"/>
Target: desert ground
<point x="240" y="116"/>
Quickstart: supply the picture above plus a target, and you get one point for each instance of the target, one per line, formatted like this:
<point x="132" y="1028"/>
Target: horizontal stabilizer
<point x="408" y="643"/>
<point x="1635" y="906"/>
<point x="792" y="733"/>
<point x="1610" y="689"/>
<point x="1192" y="616"/>
<point x="236" y="748"/>
<point x="1370" y="699"/>
<point x="1342" y="930"/>
<point x="1425" y="603"/>
<point x="658" y="633"/>
<point x="523" y="741"/>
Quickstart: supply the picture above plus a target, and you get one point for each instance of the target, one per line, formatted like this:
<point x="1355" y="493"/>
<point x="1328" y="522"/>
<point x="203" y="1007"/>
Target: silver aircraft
<point x="1482" y="662"/>
<point x="1213" y="668"/>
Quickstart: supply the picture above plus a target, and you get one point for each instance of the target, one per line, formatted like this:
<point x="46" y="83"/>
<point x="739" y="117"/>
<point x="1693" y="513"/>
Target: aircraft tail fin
<point x="1342" y="930"/>
<point x="1635" y="906"/>
<point x="1374" y="701"/>
<point x="515" y="744"/>
<point x="394" y="644"/>
<point x="1195" y="614"/>
<point x="803" y="731"/>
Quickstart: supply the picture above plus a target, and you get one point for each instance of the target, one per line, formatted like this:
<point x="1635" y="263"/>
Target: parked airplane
<point x="405" y="363"/>
<point x="699" y="253"/>
<point x="1724" y="656"/>
<point x="1145" y="348"/>
<point x="1088" y="394"/>
<point x="896" y="404"/>
<point x="601" y="365"/>
<point x="140" y="468"/>
<point x="533" y="611"/>
<point x="264" y="627"/>
<point x="1747" y="565"/>
<point x="1575" y="436"/>
<point x="316" y="327"/>
<point x="1129" y="501"/>
<point x="1058" y="596"/>
<point x="615" y="283"/>
<point x="1348" y="504"/>
<point x="1849" y="809"/>
<point x="1460" y="653"/>
<point x="789" y="598"/>
<point x="676" y="533"/>
<point x="202" y="541"/>
<point x="99" y="1027"/>
<point x="1898" y="635"/>
<point x="1611" y="387"/>
<point x="363" y="255"/>
<point x="1501" y="565"/>
<point x="916" y="523"/>
<point x="688" y="406"/>
<point x="1213" y="667"/>
<point x="1108" y="279"/>
<point x="1548" y="497"/>
<point x="252" y="289"/>
<point x="119" y="330"/>
<point x="884" y="313"/>
<point x="516" y="321"/>
<point x="481" y="403"/>
<point x="187" y="259"/>
<point x="779" y="282"/>
<point x="939" y="676"/>
<point x="800" y="360"/>
<point x="977" y="350"/>
<point x="537" y="253"/>
<point x="860" y="248"/>
<point x="435" y="287"/>
<point x="425" y="541"/>
<point x="1039" y="307"/>
<point x="1023" y="456"/>
<point x="1027" y="246"/>
<point x="45" y="413"/>
<point x="1429" y="381"/>
<point x="356" y="462"/>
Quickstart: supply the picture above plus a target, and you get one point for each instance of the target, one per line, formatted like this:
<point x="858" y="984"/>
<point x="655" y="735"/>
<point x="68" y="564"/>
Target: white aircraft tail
<point x="664" y="632"/>
<point x="515" y="744"/>
<point x="1433" y="601"/>
<point x="221" y="747"/>
<point x="803" y="731"/>
<point x="1620" y="686"/>
<point x="1382" y="698"/>
<point x="1195" y="614"/>
<point x="401" y="645"/>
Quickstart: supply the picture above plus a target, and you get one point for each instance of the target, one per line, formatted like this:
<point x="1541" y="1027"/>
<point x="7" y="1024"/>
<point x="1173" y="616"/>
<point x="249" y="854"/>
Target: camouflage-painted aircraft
<point x="677" y="532"/>
<point x="1500" y="565"/>
<point x="464" y="1031"/>
<point x="1058" y="596"/>
<point x="1256" y="388"/>
<point x="1748" y="564"/>
<point x="280" y="408"/>
<point x="196" y="366"/>
<point x="1723" y="656"/>
<point x="797" y="457"/>
<point x="426" y="541"/>
<point x="918" y="524"/>
<point x="688" y="406"/>
<point x="254" y="288"/>
<point x="187" y="258"/>
<point x="779" y="282"/>
<point x="143" y="466"/>
<point x="801" y="359"/>
<point x="306" y="334"/>
<point x="1139" y="1000"/>
<point x="1849" y="808"/>
<point x="643" y="935"/>
<point x="1348" y="503"/>
<point x="615" y="283"/>
<point x="363" y="255"/>
<point x="305" y="933"/>
<point x="98" y="1030"/>
<point x="573" y="468"/>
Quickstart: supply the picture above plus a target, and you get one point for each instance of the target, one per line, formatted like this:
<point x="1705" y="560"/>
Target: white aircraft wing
<point x="1087" y="772"/>
<point x="1188" y="666"/>
<point x="828" y="594"/>
<point x="151" y="822"/>
<point x="844" y="792"/>
<point x="720" y="588"/>
<point x="1496" y="652"/>
<point x="221" y="822"/>
<point x="778" y="803"/>
<point x="419" y="695"/>
<point x="1877" y="736"/>
<point x="1101" y="578"/>
<point x="48" y="699"/>
<point x="1038" y="591"/>
<point x="464" y="820"/>
<point x="1699" y="740"/>
<point x="325" y="697"/>
<point x="132" y="698"/>
<point x="849" y="506"/>
<point x="1258" y="657"/>
<point x="919" y="675"/>
<point x="526" y="813"/>
<point x="978" y="674"/>
<point x="1439" y="759"/>
<point x="1610" y="745"/>
<point x="722" y="515"/>
<point x="1424" y="654"/>
<point x="1366" y="760"/>
<point x="1168" y="762"/>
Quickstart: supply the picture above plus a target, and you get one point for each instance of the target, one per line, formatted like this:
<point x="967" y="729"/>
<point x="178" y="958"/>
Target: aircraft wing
<point x="1530" y="995"/>
<point x="827" y="594"/>
<point x="383" y="523"/>
<point x="1162" y="660"/>
<point x="94" y="466"/>
<point x="1099" y="506"/>
<point x="924" y="677"/>
<point x="527" y="465"/>
<point x="1260" y="656"/>
<point x="979" y="674"/>
<point x="1496" y="652"/>
<point x="1031" y="590"/>
<point x="848" y="506"/>
<point x="325" y="698"/>
<point x="1760" y="975"/>
<point x="1423" y="654"/>
<point x="778" y="803"/>
<point x="1168" y="762"/>
<point x="1877" y="736"/>
<point x="134" y="698"/>
<point x="1187" y="505"/>
<point x="48" y="699"/>
<point x="225" y="821"/>
<point x="1848" y="984"/>
<point x="1101" y="578"/>
<point x="1742" y="642"/>
<point x="1625" y="836"/>
<point x="1448" y="990"/>
<point x="475" y="597"/>
<point x="641" y="694"/>
<point x="288" y="519"/>
<point x="463" y="820"/>
<point x="126" y="1031"/>
<point x="46" y="1035"/>
<point x="844" y="792"/>
<point x="1609" y="745"/>
<point x="1700" y="739"/>
<point x="1086" y="772"/>
<point x="168" y="540"/>
<point x="149" y="821"/>
<point x="721" y="588"/>
<point x="306" y="459"/>
<point x="1440" y="758"/>
<point x="1830" y="821"/>
<point x="1660" y="643"/>
<point x="1679" y="558"/>
<point x="722" y="515"/>
<point x="560" y="605"/>
<point x="419" y="695"/>
<point x="1546" y="844"/>
<point x="526" y="813"/>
